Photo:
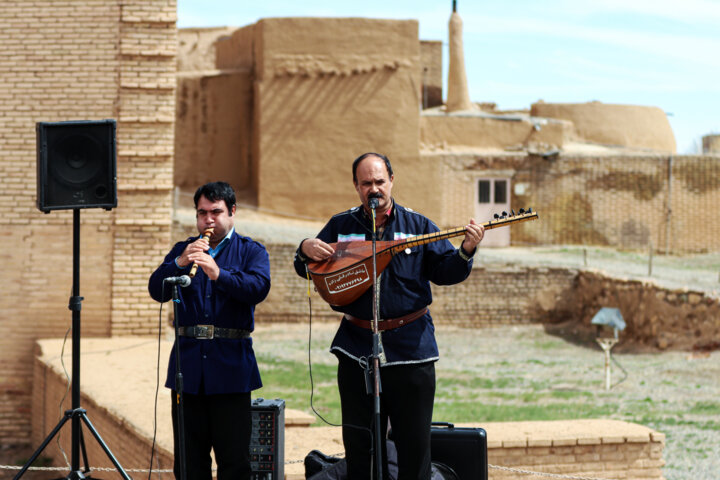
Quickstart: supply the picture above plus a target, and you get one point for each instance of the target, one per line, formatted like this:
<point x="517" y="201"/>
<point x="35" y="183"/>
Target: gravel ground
<point x="516" y="370"/>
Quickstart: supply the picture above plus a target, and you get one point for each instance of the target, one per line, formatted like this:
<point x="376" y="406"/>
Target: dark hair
<point x="215" y="191"/>
<point x="371" y="154"/>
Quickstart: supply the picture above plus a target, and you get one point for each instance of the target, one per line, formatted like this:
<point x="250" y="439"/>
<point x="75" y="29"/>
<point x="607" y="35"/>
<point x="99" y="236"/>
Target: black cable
<point x="67" y="389"/>
<point x="312" y="383"/>
<point x="157" y="389"/>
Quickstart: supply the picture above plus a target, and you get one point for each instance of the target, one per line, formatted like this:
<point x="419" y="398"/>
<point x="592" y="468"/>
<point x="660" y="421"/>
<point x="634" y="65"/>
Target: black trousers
<point x="408" y="393"/>
<point x="218" y="422"/>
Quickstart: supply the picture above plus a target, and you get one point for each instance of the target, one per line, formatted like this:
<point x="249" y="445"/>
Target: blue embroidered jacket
<point x="220" y="365"/>
<point x="404" y="285"/>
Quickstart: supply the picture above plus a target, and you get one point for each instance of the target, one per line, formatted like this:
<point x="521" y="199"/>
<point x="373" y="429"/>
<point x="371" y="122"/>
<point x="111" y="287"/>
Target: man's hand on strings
<point x="315" y="249"/>
<point x="474" y="234"/>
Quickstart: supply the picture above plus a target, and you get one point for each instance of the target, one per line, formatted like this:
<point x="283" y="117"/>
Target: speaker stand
<point x="76" y="413"/>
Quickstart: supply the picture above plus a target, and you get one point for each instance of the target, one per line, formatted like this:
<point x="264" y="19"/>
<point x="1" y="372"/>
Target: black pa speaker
<point x="76" y="165"/>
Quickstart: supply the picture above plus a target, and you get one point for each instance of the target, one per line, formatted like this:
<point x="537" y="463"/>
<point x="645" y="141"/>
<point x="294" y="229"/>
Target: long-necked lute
<point x="344" y="276"/>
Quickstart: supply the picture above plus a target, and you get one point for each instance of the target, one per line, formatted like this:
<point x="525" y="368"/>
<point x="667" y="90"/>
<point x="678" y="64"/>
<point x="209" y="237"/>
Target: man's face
<point x="214" y="215"/>
<point x="372" y="179"/>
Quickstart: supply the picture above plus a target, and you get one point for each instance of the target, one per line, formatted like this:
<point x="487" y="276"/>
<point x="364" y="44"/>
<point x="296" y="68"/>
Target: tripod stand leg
<point x="48" y="439"/>
<point x="105" y="448"/>
<point x="83" y="450"/>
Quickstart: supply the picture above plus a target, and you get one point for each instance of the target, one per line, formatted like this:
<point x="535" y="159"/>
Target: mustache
<point x="375" y="195"/>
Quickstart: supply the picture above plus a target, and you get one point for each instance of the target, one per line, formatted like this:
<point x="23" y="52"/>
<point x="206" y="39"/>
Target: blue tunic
<point x="220" y="365"/>
<point x="404" y="285"/>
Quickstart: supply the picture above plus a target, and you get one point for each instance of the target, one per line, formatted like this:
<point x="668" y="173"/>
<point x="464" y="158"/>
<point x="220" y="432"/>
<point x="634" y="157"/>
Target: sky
<point x="663" y="53"/>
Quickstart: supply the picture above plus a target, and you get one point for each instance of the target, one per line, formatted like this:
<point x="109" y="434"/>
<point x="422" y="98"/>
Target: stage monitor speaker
<point x="267" y="440"/>
<point x="76" y="165"/>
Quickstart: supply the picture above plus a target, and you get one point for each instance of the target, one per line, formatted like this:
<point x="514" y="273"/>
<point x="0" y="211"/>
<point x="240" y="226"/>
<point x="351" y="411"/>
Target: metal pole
<point x="607" y="369"/>
<point x="669" y="206"/>
<point x="378" y="458"/>
<point x="606" y="344"/>
<point x="179" y="386"/>
<point x="75" y="305"/>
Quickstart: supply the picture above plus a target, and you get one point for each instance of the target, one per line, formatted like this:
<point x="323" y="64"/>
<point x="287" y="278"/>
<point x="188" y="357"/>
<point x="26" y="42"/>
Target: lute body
<point x="344" y="276"/>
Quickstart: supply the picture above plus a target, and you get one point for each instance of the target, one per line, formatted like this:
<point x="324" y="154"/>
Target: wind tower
<point x="458" y="97"/>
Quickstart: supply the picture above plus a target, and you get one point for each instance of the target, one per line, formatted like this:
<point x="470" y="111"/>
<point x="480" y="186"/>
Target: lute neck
<point x="427" y="238"/>
<point x="456" y="232"/>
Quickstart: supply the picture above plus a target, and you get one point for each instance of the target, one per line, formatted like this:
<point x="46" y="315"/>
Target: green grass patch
<point x="290" y="381"/>
<point x="706" y="408"/>
<point x="459" y="412"/>
<point x="465" y="381"/>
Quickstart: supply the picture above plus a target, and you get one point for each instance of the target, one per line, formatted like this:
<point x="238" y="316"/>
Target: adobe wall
<point x="432" y="75"/>
<point x="618" y="125"/>
<point x="112" y="60"/>
<point x="471" y="132"/>
<point x="711" y="144"/>
<point x="322" y="96"/>
<point x="197" y="48"/>
<point x="214" y="109"/>
<point x="619" y="201"/>
<point x="326" y="91"/>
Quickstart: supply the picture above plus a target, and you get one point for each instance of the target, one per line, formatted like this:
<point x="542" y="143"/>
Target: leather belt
<point x="389" y="323"/>
<point x="208" y="332"/>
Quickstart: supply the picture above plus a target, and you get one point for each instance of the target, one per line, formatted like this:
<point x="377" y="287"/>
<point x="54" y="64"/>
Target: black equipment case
<point x="460" y="448"/>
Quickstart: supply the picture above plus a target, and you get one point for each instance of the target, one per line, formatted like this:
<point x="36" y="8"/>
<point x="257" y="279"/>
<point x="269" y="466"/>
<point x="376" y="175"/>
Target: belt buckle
<point x="205" y="332"/>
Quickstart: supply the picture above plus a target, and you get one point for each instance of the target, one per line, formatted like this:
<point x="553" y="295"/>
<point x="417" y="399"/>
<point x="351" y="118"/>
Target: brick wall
<point x="128" y="445"/>
<point x="87" y="60"/>
<point x="490" y="296"/>
<point x="587" y="448"/>
<point x="620" y="201"/>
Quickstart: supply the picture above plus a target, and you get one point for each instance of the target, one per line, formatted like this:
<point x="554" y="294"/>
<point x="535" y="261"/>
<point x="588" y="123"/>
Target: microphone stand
<point x="374" y="365"/>
<point x="179" y="385"/>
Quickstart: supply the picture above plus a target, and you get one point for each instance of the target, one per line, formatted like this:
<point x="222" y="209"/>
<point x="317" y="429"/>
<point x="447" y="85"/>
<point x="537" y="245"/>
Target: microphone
<point x="182" y="280"/>
<point x="373" y="201"/>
